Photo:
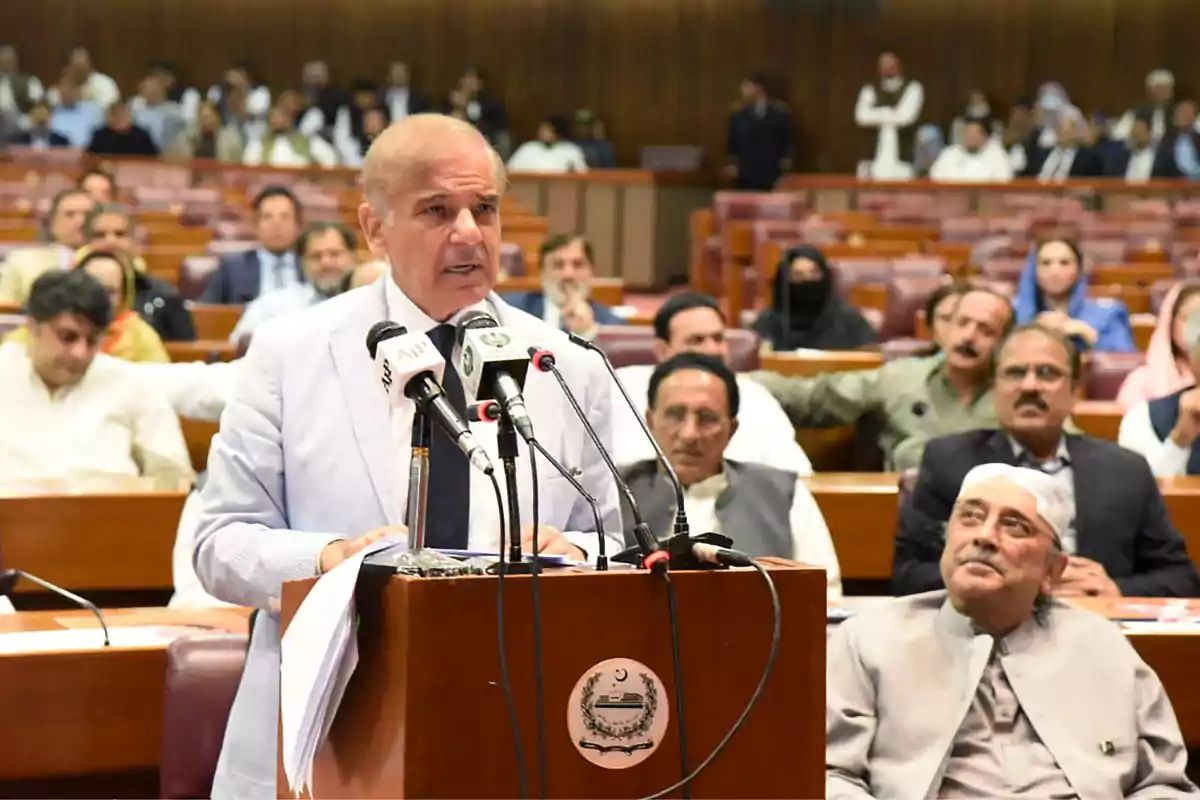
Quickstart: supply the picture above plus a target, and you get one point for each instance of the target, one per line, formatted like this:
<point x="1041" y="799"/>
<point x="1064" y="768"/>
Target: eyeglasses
<point x="1043" y="373"/>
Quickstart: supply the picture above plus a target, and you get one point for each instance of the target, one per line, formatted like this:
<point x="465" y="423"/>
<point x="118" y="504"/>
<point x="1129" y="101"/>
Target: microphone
<point x="681" y="522"/>
<point x="410" y="367"/>
<point x="653" y="556"/>
<point x="493" y="366"/>
<point x="9" y="578"/>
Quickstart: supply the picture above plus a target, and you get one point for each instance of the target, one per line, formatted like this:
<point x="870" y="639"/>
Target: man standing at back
<point x="291" y="496"/>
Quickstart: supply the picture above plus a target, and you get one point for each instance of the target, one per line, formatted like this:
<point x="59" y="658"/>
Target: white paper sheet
<point x="82" y="639"/>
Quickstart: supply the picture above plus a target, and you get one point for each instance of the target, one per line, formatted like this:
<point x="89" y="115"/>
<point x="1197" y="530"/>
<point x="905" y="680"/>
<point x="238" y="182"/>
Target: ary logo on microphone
<point x="617" y="714"/>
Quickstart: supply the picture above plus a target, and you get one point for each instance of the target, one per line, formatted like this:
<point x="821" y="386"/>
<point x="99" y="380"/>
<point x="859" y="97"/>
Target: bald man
<point x="1002" y="691"/>
<point x="292" y="496"/>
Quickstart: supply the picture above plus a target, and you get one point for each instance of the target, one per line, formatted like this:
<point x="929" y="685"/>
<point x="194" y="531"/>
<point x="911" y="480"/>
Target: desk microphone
<point x="493" y="365"/>
<point x="653" y="556"/>
<point x="409" y="367"/>
<point x="9" y="578"/>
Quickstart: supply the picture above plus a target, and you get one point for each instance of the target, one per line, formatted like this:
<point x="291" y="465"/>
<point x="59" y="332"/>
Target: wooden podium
<point x="424" y="714"/>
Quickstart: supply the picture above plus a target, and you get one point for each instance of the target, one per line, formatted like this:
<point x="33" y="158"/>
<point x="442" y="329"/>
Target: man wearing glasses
<point x="1119" y="541"/>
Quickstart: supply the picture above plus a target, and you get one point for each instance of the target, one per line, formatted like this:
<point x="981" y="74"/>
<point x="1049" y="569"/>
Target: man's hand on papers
<point x="335" y="553"/>
<point x="551" y="542"/>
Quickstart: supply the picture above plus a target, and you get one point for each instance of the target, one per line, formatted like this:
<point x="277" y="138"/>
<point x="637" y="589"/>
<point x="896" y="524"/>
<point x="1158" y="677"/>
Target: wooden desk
<point x="861" y="511"/>
<point x="198" y="434"/>
<point x="208" y="350"/>
<point x="113" y="542"/>
<point x="88" y="712"/>
<point x="807" y="365"/>
<point x="1099" y="418"/>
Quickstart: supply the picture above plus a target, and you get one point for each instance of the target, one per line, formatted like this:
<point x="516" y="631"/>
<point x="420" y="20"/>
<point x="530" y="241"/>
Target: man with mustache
<point x="1001" y="690"/>
<point x="1119" y="540"/>
<point x="693" y="407"/>
<point x="912" y="399"/>
<point x="565" y="262"/>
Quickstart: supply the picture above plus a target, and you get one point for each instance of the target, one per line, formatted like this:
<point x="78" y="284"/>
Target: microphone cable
<point x="758" y="690"/>
<point x="534" y="574"/>
<point x="505" y="682"/>
<point x="677" y="668"/>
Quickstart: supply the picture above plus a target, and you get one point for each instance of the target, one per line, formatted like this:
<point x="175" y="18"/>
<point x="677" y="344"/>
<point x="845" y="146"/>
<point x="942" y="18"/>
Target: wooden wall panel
<point x="660" y="71"/>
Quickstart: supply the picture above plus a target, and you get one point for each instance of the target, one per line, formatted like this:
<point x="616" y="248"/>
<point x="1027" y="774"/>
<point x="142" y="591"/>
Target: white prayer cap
<point x="1191" y="330"/>
<point x="1160" y="77"/>
<point x="1054" y="505"/>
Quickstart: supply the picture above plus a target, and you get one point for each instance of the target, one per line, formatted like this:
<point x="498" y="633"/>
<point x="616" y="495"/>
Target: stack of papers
<point x="319" y="653"/>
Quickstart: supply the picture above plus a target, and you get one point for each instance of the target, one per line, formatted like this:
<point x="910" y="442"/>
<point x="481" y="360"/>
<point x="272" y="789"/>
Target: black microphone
<point x="681" y="522"/>
<point x="493" y="366"/>
<point x="410" y="367"/>
<point x="9" y="578"/>
<point x="653" y="556"/>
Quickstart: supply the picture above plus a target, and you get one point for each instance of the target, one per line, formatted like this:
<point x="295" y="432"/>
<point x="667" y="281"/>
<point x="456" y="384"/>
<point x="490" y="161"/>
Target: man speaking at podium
<point x="311" y="463"/>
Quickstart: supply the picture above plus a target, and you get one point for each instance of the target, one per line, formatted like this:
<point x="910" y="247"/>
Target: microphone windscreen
<point x="474" y="320"/>
<point x="381" y="331"/>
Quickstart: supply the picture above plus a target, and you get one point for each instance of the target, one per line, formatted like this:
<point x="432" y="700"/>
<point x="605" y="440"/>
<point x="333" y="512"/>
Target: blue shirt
<point x="1185" y="156"/>
<point x="78" y="122"/>
<point x="278" y="271"/>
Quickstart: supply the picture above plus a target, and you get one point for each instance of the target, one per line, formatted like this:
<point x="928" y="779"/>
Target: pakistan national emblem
<point x="617" y="714"/>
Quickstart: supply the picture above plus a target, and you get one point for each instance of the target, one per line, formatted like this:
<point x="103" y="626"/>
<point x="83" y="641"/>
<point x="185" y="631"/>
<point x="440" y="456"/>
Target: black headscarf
<point x="809" y="314"/>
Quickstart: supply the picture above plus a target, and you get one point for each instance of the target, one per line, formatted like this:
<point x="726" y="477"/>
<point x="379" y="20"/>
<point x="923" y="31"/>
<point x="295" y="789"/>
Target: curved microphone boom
<point x="493" y="365"/>
<point x="9" y="578"/>
<point x="409" y="366"/>
<point x="653" y="556"/>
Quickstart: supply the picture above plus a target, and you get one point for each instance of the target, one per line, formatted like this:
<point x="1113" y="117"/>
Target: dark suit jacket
<point x="1120" y="518"/>
<point x="133" y="142"/>
<point x="237" y="279"/>
<point x="1164" y="157"/>
<point x="534" y="304"/>
<point x="26" y="138"/>
<point x="759" y="145"/>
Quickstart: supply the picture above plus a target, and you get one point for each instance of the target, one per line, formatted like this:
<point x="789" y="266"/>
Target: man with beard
<point x="1001" y="690"/>
<point x="1119" y="540"/>
<point x="911" y="399"/>
<point x="979" y="159"/>
<point x="692" y="411"/>
<point x="566" y="269"/>
<point x="327" y="254"/>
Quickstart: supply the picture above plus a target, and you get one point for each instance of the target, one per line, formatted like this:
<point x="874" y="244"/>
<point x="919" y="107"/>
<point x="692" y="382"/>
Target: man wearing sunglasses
<point x="1120" y="541"/>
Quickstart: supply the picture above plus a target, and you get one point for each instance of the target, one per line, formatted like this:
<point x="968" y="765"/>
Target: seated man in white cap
<point x="990" y="687"/>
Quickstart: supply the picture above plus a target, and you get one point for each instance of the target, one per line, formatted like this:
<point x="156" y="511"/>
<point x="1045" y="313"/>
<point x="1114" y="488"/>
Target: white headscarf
<point x="1054" y="505"/>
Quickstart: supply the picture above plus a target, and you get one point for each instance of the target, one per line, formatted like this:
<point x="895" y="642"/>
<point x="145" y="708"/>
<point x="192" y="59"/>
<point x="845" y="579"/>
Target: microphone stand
<point x="506" y="445"/>
<point x="418" y="481"/>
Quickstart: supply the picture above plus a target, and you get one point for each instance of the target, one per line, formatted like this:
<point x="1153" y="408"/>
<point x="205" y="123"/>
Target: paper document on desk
<point x="318" y="655"/>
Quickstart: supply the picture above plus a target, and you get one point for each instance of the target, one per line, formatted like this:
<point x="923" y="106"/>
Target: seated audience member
<point x="692" y="412"/>
<point x="353" y="149"/>
<point x="401" y="98"/>
<point x="1070" y="156"/>
<point x="1168" y="366"/>
<point x="208" y="137"/>
<point x="241" y="277"/>
<point x="91" y="84"/>
<point x="156" y="113"/>
<point x="1135" y="162"/>
<point x="357" y="123"/>
<point x="693" y="323"/>
<point x="64" y="225"/>
<point x="68" y="411"/>
<point x="128" y="336"/>
<point x="39" y="135"/>
<point x="991" y="687"/>
<point x="912" y="399"/>
<point x="120" y="137"/>
<point x="74" y="117"/>
<point x="485" y="110"/>
<point x="284" y="146"/>
<point x="1164" y="430"/>
<point x="589" y="135"/>
<point x="551" y="151"/>
<point x="940" y="310"/>
<point x="979" y="159"/>
<point x="1119" y="538"/>
<point x="19" y="91"/>
<point x="1098" y="137"/>
<point x="1178" y="154"/>
<point x="977" y="109"/>
<point x="238" y="88"/>
<point x="1160" y="102"/>
<point x="806" y="311"/>
<point x="110" y="228"/>
<point x="1053" y="290"/>
<point x="1021" y="140"/>
<point x="100" y="184"/>
<point x="566" y="269"/>
<point x="327" y="253"/>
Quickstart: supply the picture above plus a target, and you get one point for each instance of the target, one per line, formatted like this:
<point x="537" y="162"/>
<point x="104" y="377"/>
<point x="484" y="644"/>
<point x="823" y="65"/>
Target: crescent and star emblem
<point x="622" y="675"/>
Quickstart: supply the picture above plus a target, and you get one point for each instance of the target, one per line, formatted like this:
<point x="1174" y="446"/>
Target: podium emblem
<point x="617" y="714"/>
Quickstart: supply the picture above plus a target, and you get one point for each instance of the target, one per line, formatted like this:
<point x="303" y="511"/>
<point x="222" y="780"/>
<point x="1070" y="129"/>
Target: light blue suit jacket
<point x="305" y="455"/>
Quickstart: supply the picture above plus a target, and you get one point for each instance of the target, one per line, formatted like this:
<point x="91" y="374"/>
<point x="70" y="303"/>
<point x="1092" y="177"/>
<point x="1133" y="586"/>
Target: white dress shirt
<point x="277" y="271"/>
<point x="484" y="524"/>
<point x="1166" y="459"/>
<point x="112" y="423"/>
<point x="811" y="542"/>
<point x="98" y="88"/>
<point x="957" y="164"/>
<point x="194" y="389"/>
<point x="397" y="101"/>
<point x="886" y="165"/>
<point x="537" y="156"/>
<point x="1141" y="165"/>
<point x="284" y="155"/>
<point x="1058" y="165"/>
<point x="9" y="102"/>
<point x="764" y="436"/>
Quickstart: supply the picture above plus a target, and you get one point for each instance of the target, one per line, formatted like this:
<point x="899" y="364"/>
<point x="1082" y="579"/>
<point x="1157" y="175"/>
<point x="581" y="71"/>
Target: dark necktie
<point x="449" y="503"/>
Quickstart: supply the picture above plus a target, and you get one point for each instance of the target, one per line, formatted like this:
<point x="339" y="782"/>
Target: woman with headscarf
<point x="1053" y="291"/>
<point x="1168" y="366"/>
<point x="806" y="312"/>
<point x="128" y="336"/>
